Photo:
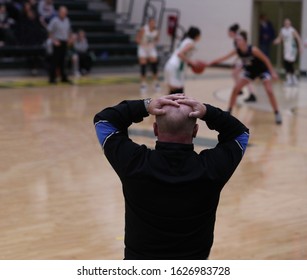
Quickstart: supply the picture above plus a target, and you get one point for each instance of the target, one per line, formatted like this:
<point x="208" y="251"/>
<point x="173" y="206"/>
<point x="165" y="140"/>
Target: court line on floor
<point x="84" y="81"/>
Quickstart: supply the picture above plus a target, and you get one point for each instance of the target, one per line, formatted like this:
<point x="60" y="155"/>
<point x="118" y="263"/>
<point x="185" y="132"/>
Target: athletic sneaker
<point x="294" y="81"/>
<point x="251" y="98"/>
<point x="143" y="88"/>
<point x="278" y="119"/>
<point x="288" y="84"/>
<point x="157" y="88"/>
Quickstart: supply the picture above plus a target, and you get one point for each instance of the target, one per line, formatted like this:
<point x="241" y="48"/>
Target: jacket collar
<point x="174" y="146"/>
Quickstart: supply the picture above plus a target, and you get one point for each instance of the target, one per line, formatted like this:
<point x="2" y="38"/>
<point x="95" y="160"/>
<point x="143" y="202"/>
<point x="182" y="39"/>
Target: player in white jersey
<point x="147" y="39"/>
<point x="291" y="42"/>
<point x="174" y="67"/>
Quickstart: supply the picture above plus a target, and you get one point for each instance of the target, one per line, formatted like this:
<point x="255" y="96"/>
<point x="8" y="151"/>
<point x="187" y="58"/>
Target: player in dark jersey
<point x="233" y="31"/>
<point x="255" y="65"/>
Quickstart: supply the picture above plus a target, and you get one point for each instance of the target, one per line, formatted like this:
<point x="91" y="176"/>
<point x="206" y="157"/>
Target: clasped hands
<point x="156" y="105"/>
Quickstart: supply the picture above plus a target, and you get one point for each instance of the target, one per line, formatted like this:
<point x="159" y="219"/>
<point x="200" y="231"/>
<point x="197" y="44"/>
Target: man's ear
<point x="195" y="130"/>
<point x="155" y="128"/>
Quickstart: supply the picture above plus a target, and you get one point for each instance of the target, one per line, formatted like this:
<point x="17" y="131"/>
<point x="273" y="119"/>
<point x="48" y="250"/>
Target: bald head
<point x="176" y="125"/>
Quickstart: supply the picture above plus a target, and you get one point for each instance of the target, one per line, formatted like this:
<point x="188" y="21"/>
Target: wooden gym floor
<point x="60" y="199"/>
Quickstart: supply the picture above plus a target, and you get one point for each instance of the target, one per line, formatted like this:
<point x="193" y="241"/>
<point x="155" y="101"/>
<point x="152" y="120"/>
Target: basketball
<point x="198" y="67"/>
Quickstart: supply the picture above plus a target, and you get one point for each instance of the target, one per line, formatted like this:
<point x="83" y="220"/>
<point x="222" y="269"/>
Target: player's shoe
<point x="251" y="98"/>
<point x="143" y="88"/>
<point x="278" y="119"/>
<point x="157" y="88"/>
<point x="294" y="81"/>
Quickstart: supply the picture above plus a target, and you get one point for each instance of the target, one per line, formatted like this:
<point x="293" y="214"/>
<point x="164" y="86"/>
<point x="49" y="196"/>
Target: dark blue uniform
<point x="253" y="66"/>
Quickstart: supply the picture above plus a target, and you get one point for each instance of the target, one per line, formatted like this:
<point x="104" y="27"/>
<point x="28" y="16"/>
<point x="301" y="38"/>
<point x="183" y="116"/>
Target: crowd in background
<point x="24" y="22"/>
<point x="30" y="22"/>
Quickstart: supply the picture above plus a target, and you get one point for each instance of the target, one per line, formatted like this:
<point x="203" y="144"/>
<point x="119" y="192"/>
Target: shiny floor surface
<point x="60" y="199"/>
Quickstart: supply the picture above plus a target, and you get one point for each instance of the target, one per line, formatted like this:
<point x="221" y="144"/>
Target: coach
<point x="171" y="193"/>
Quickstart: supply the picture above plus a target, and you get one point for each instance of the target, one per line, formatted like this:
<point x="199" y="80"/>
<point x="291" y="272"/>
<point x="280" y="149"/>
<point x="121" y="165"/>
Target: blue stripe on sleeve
<point x="104" y="130"/>
<point x="242" y="141"/>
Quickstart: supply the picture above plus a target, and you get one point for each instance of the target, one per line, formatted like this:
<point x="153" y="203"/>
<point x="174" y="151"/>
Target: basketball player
<point x="256" y="65"/>
<point x="147" y="39"/>
<point x="291" y="39"/>
<point x="171" y="193"/>
<point x="174" y="67"/>
<point x="237" y="68"/>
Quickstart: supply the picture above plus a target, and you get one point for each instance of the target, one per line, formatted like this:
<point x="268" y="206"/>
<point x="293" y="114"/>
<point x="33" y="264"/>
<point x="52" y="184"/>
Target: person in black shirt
<point x="171" y="192"/>
<point x="255" y="65"/>
<point x="233" y="31"/>
<point x="266" y="34"/>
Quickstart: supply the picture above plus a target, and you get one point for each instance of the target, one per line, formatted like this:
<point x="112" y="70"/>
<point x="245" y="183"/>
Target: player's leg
<point x="153" y="59"/>
<point x="174" y="79"/>
<point x="269" y="90"/>
<point x="252" y="96"/>
<point x="289" y="72"/>
<point x="237" y="88"/>
<point x="142" y="55"/>
<point x="236" y="71"/>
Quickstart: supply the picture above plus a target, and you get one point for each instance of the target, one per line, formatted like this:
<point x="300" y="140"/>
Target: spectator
<point x="81" y="58"/>
<point x="33" y="4"/>
<point x="14" y="8"/>
<point x="31" y="33"/>
<point x="46" y="12"/>
<point x="7" y="35"/>
<point x="266" y="35"/>
<point x="59" y="31"/>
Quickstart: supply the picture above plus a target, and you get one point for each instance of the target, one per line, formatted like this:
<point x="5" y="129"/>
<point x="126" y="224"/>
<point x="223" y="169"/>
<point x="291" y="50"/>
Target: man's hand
<point x="198" y="109"/>
<point x="155" y="107"/>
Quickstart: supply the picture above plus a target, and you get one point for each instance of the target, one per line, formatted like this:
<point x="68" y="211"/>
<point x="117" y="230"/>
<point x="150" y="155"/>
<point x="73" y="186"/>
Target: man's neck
<point x="182" y="139"/>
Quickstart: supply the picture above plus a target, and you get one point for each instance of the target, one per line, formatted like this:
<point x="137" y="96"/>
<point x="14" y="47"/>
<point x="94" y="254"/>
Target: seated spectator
<point x="46" y="12"/>
<point x="31" y="33"/>
<point x="14" y="8"/>
<point x="7" y="35"/>
<point x="33" y="4"/>
<point x="81" y="58"/>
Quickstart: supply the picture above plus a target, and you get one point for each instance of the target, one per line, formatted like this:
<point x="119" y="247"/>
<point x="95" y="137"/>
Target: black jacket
<point x="171" y="193"/>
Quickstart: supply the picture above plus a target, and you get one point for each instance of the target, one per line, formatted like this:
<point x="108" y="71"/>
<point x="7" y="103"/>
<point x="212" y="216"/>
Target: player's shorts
<point x="238" y="64"/>
<point x="252" y="75"/>
<point x="147" y="52"/>
<point x="174" y="75"/>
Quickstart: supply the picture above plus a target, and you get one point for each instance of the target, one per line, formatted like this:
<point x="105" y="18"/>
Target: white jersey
<point x="174" y="67"/>
<point x="175" y="59"/>
<point x="290" y="47"/>
<point x="149" y="37"/>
